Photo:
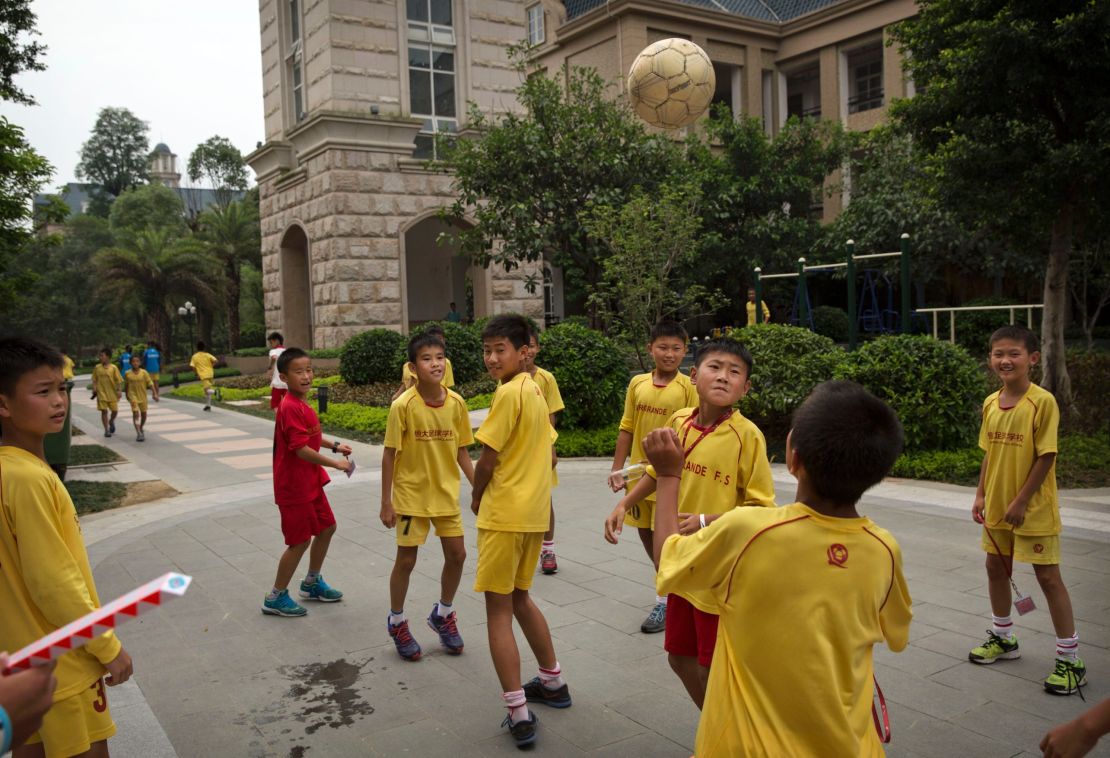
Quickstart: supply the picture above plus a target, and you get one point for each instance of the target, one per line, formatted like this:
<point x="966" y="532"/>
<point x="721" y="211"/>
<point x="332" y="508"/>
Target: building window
<point x="431" y="41"/>
<point x="865" y="79"/>
<point x="803" y="93"/>
<point x="294" y="62"/>
<point x="535" y="25"/>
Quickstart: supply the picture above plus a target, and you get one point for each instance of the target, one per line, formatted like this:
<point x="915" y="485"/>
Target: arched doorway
<point x="436" y="275"/>
<point x="296" y="289"/>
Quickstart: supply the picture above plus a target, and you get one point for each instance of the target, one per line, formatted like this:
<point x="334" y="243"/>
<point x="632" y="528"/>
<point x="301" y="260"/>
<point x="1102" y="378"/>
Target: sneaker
<point x="107" y="433"/>
<point x="995" y="648"/>
<point x="407" y="647"/>
<point x="112" y="427"/>
<point x="523" y="732"/>
<point x="282" y="605"/>
<point x="1067" y="678"/>
<point x="656" y="620"/>
<point x="548" y="564"/>
<point x="207" y="408"/>
<point x="142" y="436"/>
<point x="535" y="692"/>
<point x="320" y="590"/>
<point x="447" y="630"/>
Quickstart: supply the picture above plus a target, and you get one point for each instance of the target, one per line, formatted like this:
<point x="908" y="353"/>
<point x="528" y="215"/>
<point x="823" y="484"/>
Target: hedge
<point x="587" y="443"/>
<point x="371" y="356"/>
<point x="591" y="374"/>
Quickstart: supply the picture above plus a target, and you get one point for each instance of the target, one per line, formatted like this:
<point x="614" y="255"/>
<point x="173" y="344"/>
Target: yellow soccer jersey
<point x="137" y="385"/>
<point x="1013" y="439"/>
<point x="67" y="367"/>
<point x="763" y="571"/>
<point x="518" y="497"/>
<point x="204" y="364"/>
<point x="648" y="406"/>
<point x="106" y="380"/>
<point x="408" y="374"/>
<point x="750" y="308"/>
<point x="549" y="388"/>
<point x="725" y="467"/>
<point x="45" y="579"/>
<point x="427" y="439"/>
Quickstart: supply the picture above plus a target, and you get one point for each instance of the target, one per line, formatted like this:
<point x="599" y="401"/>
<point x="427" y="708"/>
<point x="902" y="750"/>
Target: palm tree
<point x="154" y="266"/>
<point x="232" y="236"/>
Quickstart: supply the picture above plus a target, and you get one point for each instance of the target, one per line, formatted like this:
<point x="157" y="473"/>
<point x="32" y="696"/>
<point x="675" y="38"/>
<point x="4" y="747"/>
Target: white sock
<point x="517" y="705"/>
<point x="208" y="397"/>
<point x="273" y="595"/>
<point x="548" y="546"/>
<point x="660" y="599"/>
<point x="396" y="618"/>
<point x="443" y="610"/>
<point x="551" y="678"/>
<point x="1003" y="626"/>
<point x="1068" y="647"/>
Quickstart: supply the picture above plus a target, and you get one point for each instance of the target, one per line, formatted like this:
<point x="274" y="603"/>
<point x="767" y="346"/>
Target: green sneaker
<point x="1067" y="678"/>
<point x="282" y="605"/>
<point x="995" y="648"/>
<point x="320" y="590"/>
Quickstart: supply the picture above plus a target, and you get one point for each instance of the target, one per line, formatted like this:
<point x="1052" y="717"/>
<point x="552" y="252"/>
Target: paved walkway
<point x="217" y="678"/>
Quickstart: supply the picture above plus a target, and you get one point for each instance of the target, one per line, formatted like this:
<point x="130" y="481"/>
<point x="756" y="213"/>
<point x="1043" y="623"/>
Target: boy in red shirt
<point x="299" y="479"/>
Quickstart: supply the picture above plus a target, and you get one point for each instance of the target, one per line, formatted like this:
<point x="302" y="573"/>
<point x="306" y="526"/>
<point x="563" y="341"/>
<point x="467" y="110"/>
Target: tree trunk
<point x="1053" y="356"/>
<point x="231" y="270"/>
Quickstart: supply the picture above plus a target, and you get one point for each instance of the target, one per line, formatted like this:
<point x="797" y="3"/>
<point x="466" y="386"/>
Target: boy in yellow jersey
<point x="726" y="467"/>
<point x="750" y="308"/>
<point x="512" y="499"/>
<point x="408" y="373"/>
<point x="138" y="381"/>
<point x="204" y="364"/>
<point x="426" y="437"/>
<point x="67" y="367"/>
<point x="45" y="578"/>
<point x="549" y="388"/>
<point x="651" y="400"/>
<point x="107" y="387"/>
<point x="1017" y="506"/>
<point x="815" y="577"/>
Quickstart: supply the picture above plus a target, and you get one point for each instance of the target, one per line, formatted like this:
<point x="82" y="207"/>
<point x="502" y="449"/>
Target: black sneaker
<point x="656" y="621"/>
<point x="523" y="732"/>
<point x="535" y="692"/>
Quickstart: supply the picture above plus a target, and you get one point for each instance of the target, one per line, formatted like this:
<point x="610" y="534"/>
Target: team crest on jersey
<point x="838" y="555"/>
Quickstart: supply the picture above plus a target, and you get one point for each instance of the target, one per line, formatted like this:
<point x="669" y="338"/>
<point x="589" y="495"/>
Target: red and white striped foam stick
<point x="96" y="623"/>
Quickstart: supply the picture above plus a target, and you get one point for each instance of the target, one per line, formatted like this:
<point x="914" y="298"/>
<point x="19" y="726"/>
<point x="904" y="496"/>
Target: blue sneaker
<point x="447" y="630"/>
<point x="407" y="647"/>
<point x="282" y="605"/>
<point x="319" y="590"/>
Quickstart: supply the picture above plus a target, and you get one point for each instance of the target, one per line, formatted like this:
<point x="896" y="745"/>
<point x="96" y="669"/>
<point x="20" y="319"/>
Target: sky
<point x="190" y="70"/>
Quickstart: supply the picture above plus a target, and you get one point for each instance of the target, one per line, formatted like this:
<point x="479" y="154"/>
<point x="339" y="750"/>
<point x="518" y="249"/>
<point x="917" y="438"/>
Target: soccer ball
<point x="671" y="83"/>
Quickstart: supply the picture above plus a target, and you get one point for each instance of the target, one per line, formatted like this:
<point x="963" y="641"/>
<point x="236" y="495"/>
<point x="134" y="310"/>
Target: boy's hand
<point x="664" y="451"/>
<point x="688" y="523"/>
<point x="344" y="449"/>
<point x="474" y="504"/>
<point x="978" y="509"/>
<point x="388" y="515"/>
<point x="119" y="669"/>
<point x="27" y="696"/>
<point x="615" y="523"/>
<point x="616" y="481"/>
<point x="1015" y="514"/>
<point x="341" y="463"/>
<point x="1070" y="740"/>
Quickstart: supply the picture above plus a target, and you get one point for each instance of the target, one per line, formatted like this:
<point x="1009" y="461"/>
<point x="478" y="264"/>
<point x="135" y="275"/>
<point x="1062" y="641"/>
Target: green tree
<point x="1012" y="109"/>
<point x="19" y="52"/>
<point x="526" y="178"/>
<point x="116" y="154"/>
<point x="150" y="207"/>
<point x="154" y="266"/>
<point x="232" y="236"/>
<point x="221" y="164"/>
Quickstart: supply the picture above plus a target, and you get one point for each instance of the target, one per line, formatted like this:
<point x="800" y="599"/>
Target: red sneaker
<point x="548" y="564"/>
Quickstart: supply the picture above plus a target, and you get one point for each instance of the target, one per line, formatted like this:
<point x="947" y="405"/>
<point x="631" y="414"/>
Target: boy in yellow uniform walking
<point x="204" y="364"/>
<point x="512" y="499"/>
<point x="45" y="578"/>
<point x="426" y="437"/>
<point x="814" y="578"/>
<point x="1017" y="505"/>
<point x="650" y="401"/>
<point x="726" y="467"/>
<point x="108" y="388"/>
<point x="138" y="381"/>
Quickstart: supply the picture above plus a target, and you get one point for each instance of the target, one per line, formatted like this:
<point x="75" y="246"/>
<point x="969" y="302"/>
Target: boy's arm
<point x="665" y="453"/>
<point x="1077" y="738"/>
<point x="483" y="473"/>
<point x="979" y="505"/>
<point x="466" y="465"/>
<point x="1015" y="514"/>
<point x="339" y="447"/>
<point x="388" y="515"/>
<point x="614" y="525"/>
<point x="624" y="446"/>
<point x="308" y="454"/>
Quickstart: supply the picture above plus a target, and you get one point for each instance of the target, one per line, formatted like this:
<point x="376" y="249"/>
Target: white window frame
<point x="536" y="27"/>
<point x="294" y="62"/>
<point x="434" y="38"/>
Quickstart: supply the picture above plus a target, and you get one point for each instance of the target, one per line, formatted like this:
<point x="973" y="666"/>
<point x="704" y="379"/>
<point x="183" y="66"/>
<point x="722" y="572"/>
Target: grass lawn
<point x="92" y="497"/>
<point x="84" y="455"/>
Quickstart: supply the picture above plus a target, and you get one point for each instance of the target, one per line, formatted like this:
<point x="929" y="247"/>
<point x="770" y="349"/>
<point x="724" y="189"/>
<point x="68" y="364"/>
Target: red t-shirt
<point x="296" y="482"/>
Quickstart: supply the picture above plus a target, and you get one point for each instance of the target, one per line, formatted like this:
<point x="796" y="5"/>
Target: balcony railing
<point x="866" y="101"/>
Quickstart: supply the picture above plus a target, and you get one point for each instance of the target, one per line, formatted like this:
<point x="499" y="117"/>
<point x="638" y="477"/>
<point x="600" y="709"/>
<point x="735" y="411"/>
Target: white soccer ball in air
<point x="671" y="83"/>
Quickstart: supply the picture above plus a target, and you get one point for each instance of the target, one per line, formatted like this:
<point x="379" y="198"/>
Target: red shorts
<point x="276" y="394"/>
<point x="689" y="632"/>
<point x="300" y="523"/>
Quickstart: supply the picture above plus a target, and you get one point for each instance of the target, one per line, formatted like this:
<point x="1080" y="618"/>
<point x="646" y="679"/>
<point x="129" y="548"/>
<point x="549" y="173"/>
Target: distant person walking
<point x="278" y="388"/>
<point x="204" y="363"/>
<point x="125" y="360"/>
<point x="152" y="361"/>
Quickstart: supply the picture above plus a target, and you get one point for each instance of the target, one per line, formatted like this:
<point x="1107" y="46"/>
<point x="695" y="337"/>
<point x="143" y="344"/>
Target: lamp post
<point x="188" y="314"/>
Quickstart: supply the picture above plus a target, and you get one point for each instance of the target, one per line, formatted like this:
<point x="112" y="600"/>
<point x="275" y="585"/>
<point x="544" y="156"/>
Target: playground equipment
<point x="1028" y="308"/>
<point x="872" y="315"/>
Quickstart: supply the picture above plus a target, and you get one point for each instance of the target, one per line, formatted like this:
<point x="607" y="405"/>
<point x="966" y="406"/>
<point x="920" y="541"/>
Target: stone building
<point x="354" y="92"/>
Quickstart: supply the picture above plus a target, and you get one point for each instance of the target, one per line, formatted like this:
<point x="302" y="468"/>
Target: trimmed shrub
<point x="935" y="387"/>
<point x="953" y="466"/>
<point x="251" y="352"/>
<point x="587" y="443"/>
<point x="326" y="352"/>
<point x="831" y="322"/>
<point x="478" y="402"/>
<point x="789" y="363"/>
<point x="591" y="374"/>
<point x="371" y="357"/>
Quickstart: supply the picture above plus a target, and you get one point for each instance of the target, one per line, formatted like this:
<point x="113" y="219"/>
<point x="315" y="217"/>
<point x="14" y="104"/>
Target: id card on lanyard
<point x="689" y="424"/>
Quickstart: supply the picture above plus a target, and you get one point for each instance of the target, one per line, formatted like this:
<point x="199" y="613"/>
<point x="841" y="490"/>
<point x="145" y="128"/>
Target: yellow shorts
<point x="206" y="384"/>
<point x="107" y="405"/>
<point x="1043" y="550"/>
<point x="413" y="530"/>
<point x="154" y="378"/>
<point x="506" y="560"/>
<point x="641" y="515"/>
<point x="72" y="725"/>
<point x="139" y="407"/>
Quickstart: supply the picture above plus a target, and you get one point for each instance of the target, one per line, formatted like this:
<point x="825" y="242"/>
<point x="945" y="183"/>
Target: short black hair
<point x="1017" y="334"/>
<point x="20" y="355"/>
<point x="276" y="337"/>
<point x="200" y="345"/>
<point x="725" y="345"/>
<point x="289" y="355"/>
<point x="154" y="345"/>
<point x="512" y="327"/>
<point x="136" y="357"/>
<point x="847" y="438"/>
<point x="452" y="305"/>
<point x="423" y="340"/>
<point x="105" y="351"/>
<point x="668" y="329"/>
